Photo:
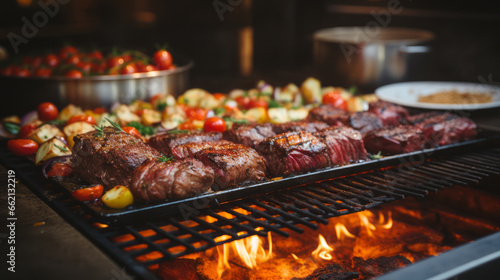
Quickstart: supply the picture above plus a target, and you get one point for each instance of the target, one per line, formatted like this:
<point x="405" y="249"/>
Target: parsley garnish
<point x="165" y="159"/>
<point x="55" y="122"/>
<point x="376" y="156"/>
<point x="219" y="110"/>
<point x="12" y="128"/>
<point x="233" y="120"/>
<point x="61" y="148"/>
<point x="274" y="104"/>
<point x="143" y="129"/>
<point x="161" y="106"/>
<point x="176" y="131"/>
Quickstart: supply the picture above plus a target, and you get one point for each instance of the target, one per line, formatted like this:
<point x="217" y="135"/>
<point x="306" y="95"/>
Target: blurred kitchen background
<point x="235" y="43"/>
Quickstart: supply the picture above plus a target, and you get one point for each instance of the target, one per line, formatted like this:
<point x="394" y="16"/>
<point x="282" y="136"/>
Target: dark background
<point x="465" y="48"/>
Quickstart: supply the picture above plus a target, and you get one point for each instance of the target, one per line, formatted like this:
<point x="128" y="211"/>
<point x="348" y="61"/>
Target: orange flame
<point x="342" y="231"/>
<point x="363" y="217"/>
<point x="389" y="223"/>
<point x="323" y="250"/>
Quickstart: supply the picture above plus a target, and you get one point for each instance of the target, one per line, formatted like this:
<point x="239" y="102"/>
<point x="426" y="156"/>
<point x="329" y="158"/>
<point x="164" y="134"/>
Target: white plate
<point x="407" y="94"/>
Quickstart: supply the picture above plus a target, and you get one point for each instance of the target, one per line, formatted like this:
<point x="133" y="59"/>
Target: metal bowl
<point x="19" y="95"/>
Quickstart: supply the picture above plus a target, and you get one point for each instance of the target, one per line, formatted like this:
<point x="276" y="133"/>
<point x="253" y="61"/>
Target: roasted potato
<point x="49" y="149"/>
<point x="45" y="132"/>
<point x="74" y="129"/>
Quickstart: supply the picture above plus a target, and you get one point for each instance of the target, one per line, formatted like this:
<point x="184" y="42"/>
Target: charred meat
<point x="329" y="115"/>
<point x="365" y="122"/>
<point x="232" y="164"/>
<point x="344" y="144"/>
<point x="189" y="149"/>
<point x="110" y="158"/>
<point x="158" y="181"/>
<point x="164" y="142"/>
<point x="312" y="126"/>
<point x="395" y="140"/>
<point x="249" y="134"/>
<point x="293" y="152"/>
<point x="390" y="114"/>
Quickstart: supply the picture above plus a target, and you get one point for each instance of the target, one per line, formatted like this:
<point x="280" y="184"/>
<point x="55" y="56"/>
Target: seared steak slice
<point x="232" y="164"/>
<point x="164" y="142"/>
<point x="293" y="152"/>
<point x="365" y="122"/>
<point x="158" y="181"/>
<point x="249" y="134"/>
<point x="344" y="144"/>
<point x="390" y="114"/>
<point x="312" y="126"/>
<point x="189" y="149"/>
<point x="444" y="128"/>
<point x="329" y="115"/>
<point x="111" y="158"/>
<point x="395" y="140"/>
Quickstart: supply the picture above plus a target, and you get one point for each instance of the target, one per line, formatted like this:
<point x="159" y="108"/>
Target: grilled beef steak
<point x="444" y="128"/>
<point x="111" y="158"/>
<point x="390" y="114"/>
<point x="365" y="122"/>
<point x="395" y="140"/>
<point x="312" y="126"/>
<point x="189" y="149"/>
<point x="232" y="164"/>
<point x="164" y="142"/>
<point x="249" y="134"/>
<point x="344" y="144"/>
<point x="158" y="181"/>
<point x="329" y="115"/>
<point x="293" y="152"/>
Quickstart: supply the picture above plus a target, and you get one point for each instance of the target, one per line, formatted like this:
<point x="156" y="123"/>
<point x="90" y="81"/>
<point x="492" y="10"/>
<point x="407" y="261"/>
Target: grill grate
<point x="140" y="247"/>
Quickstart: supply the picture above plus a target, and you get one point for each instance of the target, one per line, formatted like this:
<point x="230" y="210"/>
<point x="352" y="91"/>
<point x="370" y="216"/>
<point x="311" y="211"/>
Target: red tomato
<point x="88" y="193"/>
<point x="155" y="97"/>
<point x="21" y="72"/>
<point x="196" y="114"/>
<point x="214" y="124"/>
<point x="147" y="68"/>
<point x="22" y="147"/>
<point x="128" y="69"/>
<point x="187" y="126"/>
<point x="260" y="102"/>
<point x="219" y="96"/>
<point x="163" y="59"/>
<point x="131" y="130"/>
<point x="99" y="68"/>
<point x="245" y="102"/>
<point x="81" y="118"/>
<point x="335" y="99"/>
<point x="9" y="71"/>
<point x="127" y="57"/>
<point x="36" y="62"/>
<point x="73" y="74"/>
<point x="100" y="110"/>
<point x="26" y="130"/>
<point x="67" y="51"/>
<point x="51" y="60"/>
<point x="47" y="111"/>
<point x="95" y="54"/>
<point x="43" y="72"/>
<point x="115" y="61"/>
<point x="60" y="169"/>
<point x="84" y="66"/>
<point x="72" y="60"/>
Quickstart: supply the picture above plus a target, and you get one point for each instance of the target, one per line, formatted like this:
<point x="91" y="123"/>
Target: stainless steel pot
<point x="19" y="95"/>
<point x="369" y="57"/>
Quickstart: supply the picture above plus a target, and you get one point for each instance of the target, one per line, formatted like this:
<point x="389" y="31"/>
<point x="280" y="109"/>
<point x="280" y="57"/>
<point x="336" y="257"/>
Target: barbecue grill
<point x="290" y="206"/>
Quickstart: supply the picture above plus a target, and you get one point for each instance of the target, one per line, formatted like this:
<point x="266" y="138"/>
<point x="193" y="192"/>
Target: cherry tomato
<point x="214" y="124"/>
<point x="47" y="111"/>
<point x="128" y="69"/>
<point x="72" y="60"/>
<point x="51" y="60"/>
<point x="100" y="110"/>
<point x="22" y="147"/>
<point x="67" y="51"/>
<point x="219" y="96"/>
<point x="127" y="57"/>
<point x="60" y="169"/>
<point x="335" y="99"/>
<point x="9" y="71"/>
<point x="163" y="59"/>
<point x="155" y="97"/>
<point x="131" y="130"/>
<point x="187" y="126"/>
<point x="147" y="68"/>
<point x="95" y="54"/>
<point x="245" y="102"/>
<point x="259" y="102"/>
<point x="196" y="114"/>
<point x="36" y="62"/>
<point x="73" y="74"/>
<point x="85" y="66"/>
<point x="42" y="72"/>
<point x="99" y="68"/>
<point x="21" y="72"/>
<point x="88" y="193"/>
<point x="115" y="61"/>
<point x="81" y="118"/>
<point x="26" y="130"/>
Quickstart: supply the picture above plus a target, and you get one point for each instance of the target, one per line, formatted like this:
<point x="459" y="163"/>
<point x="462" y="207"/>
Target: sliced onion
<point x="29" y="117"/>
<point x="50" y="162"/>
<point x="4" y="133"/>
<point x="210" y="114"/>
<point x="276" y="94"/>
<point x="62" y="140"/>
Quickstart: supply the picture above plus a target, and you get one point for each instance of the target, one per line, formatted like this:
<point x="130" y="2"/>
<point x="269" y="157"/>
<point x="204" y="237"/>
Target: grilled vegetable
<point x="88" y="193"/>
<point x="118" y="197"/>
<point x="150" y="117"/>
<point x="22" y="147"/>
<point x="49" y="149"/>
<point x="125" y="115"/>
<point x="311" y="90"/>
<point x="69" y="111"/>
<point x="258" y="114"/>
<point x="297" y="114"/>
<point x="74" y="129"/>
<point x="45" y="132"/>
<point x="278" y="115"/>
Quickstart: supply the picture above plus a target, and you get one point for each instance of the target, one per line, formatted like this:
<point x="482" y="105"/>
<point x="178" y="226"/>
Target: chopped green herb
<point x="115" y="125"/>
<point x="12" y="128"/>
<point x="274" y="104"/>
<point x="161" y="106"/>
<point x="376" y="156"/>
<point x="219" y="110"/>
<point x="61" y="148"/>
<point x="143" y="129"/>
<point x="233" y="120"/>
<point x="55" y="122"/>
<point x="176" y="131"/>
<point x="100" y="131"/>
<point x="165" y="159"/>
<point x="353" y="89"/>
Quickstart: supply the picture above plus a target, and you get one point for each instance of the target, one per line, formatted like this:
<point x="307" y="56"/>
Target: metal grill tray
<point x="139" y="211"/>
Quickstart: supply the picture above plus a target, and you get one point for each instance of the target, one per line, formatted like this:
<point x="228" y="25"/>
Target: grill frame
<point x="72" y="211"/>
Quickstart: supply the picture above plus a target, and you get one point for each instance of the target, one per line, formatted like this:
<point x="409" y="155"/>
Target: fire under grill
<point x="141" y="246"/>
